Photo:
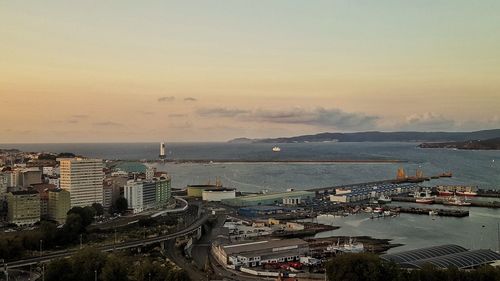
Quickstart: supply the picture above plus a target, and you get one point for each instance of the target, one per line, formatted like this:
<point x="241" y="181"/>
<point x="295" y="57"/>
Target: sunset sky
<point x="126" y="71"/>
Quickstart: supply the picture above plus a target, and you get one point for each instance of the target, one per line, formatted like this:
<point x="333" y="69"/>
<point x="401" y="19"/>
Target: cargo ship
<point x="446" y="175"/>
<point x="445" y="190"/>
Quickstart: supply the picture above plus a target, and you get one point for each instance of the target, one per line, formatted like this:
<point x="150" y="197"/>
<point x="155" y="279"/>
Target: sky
<point x="133" y="71"/>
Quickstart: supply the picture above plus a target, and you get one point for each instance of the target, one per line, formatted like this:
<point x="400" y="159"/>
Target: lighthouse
<point x="162" y="150"/>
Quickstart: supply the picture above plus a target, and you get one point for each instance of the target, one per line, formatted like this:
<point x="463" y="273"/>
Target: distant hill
<point x="376" y="136"/>
<point x="489" y="144"/>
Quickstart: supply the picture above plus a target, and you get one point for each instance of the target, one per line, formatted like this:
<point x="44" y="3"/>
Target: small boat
<point x="456" y="201"/>
<point x="433" y="213"/>
<point x="349" y="246"/>
<point x="424" y="197"/>
<point x="276" y="149"/>
<point x="445" y="193"/>
<point x="384" y="200"/>
<point x="368" y="210"/>
<point x="446" y="175"/>
<point x="466" y="193"/>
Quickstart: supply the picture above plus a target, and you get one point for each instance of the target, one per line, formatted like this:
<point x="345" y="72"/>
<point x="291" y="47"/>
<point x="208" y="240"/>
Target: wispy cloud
<point x="428" y="121"/>
<point x="177" y="115"/>
<point x="147" y="113"/>
<point x="166" y="99"/>
<point x="190" y="99"/>
<point x="107" y="124"/>
<point x="79" y="116"/>
<point x="221" y="112"/>
<point x="321" y="117"/>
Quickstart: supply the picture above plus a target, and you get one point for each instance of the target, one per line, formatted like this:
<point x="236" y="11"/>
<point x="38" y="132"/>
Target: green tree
<point x="355" y="267"/>
<point x="99" y="210"/>
<point x="121" y="205"/>
<point x="115" y="269"/>
<point x="60" y="269"/>
<point x="86" y="213"/>
<point x="86" y="262"/>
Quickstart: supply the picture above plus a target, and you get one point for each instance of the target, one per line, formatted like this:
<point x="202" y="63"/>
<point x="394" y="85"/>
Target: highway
<point x="111" y="247"/>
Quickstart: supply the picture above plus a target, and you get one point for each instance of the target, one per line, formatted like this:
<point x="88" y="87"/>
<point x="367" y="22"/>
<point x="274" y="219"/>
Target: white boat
<point x="433" y="213"/>
<point x="276" y="149"/>
<point x="384" y="199"/>
<point x="456" y="201"/>
<point x="348" y="247"/>
<point x="424" y="197"/>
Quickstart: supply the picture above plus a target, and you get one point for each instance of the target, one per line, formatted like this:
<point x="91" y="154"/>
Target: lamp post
<point x="95" y="275"/>
<point x="41" y="247"/>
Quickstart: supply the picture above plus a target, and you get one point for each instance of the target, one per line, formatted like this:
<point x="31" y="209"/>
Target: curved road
<point x="108" y="248"/>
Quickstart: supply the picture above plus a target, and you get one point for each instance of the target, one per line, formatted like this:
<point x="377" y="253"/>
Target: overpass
<point x="195" y="226"/>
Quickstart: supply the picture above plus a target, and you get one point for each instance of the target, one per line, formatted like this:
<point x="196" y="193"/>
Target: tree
<point x="60" y="269"/>
<point x="115" y="269"/>
<point x="72" y="228"/>
<point x="355" y="267"/>
<point x="99" y="210"/>
<point x="121" y="205"/>
<point x="87" y="214"/>
<point x="85" y="262"/>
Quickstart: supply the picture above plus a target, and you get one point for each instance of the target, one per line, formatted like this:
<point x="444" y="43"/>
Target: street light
<point x="41" y="248"/>
<point x="95" y="274"/>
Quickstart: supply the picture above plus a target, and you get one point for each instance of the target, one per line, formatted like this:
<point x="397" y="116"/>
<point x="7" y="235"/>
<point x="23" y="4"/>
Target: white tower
<point x="162" y="150"/>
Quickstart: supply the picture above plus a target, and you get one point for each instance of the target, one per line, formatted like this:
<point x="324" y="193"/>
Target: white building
<point x="133" y="193"/>
<point x="48" y="171"/>
<point x="83" y="178"/>
<point x="217" y="194"/>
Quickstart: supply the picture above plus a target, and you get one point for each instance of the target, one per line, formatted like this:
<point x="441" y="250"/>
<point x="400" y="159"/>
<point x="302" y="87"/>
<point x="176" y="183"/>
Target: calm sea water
<point x="478" y="168"/>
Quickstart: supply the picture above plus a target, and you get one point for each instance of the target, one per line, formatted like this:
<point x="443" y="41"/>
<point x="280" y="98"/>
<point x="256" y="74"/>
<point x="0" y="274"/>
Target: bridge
<point x="194" y="227"/>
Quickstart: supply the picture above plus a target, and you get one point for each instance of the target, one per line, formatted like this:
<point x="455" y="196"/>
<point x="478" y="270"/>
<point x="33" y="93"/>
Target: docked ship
<point x="424" y="197"/>
<point x="276" y="149"/>
<point x="456" y="201"/>
<point x="446" y="175"/>
<point x="445" y="191"/>
<point x="348" y="247"/>
<point x="467" y="193"/>
<point x="384" y="199"/>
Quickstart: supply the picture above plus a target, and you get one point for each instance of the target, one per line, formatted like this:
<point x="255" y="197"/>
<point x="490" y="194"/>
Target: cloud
<point x="190" y="99"/>
<point x="428" y="121"/>
<point x="107" y="124"/>
<point x="166" y="99"/>
<point x="321" y="117"/>
<point x="176" y="115"/>
<point x="73" y="121"/>
<point x="221" y="112"/>
<point x="79" y="116"/>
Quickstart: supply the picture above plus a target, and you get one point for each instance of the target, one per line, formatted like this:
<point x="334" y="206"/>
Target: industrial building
<point x="444" y="256"/>
<point x="196" y="190"/>
<point x="218" y="194"/>
<point x="357" y="193"/>
<point x="83" y="178"/>
<point x="261" y="211"/>
<point x="299" y="197"/>
<point x="256" y="253"/>
<point x="23" y="207"/>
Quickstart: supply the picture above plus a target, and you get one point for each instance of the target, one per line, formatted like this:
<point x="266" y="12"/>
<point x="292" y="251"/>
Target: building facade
<point x="23" y="207"/>
<point x="83" y="178"/>
<point x="143" y="195"/>
<point x="59" y="203"/>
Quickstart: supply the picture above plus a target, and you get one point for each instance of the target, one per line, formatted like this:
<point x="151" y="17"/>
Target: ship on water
<point x="424" y="197"/>
<point x="276" y="149"/>
<point x="384" y="199"/>
<point x="456" y="201"/>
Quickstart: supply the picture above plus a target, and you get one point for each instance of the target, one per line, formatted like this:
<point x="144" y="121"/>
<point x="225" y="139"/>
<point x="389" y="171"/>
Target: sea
<point x="469" y="167"/>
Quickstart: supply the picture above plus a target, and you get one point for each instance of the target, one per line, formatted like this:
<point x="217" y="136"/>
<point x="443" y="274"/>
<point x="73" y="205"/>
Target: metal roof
<point x="424" y="253"/>
<point x="463" y="260"/>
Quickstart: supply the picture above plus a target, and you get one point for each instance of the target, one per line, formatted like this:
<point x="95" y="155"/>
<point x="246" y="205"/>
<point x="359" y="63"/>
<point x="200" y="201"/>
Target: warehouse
<point x="443" y="257"/>
<point x="256" y="253"/>
<point x="217" y="194"/>
<point x="299" y="197"/>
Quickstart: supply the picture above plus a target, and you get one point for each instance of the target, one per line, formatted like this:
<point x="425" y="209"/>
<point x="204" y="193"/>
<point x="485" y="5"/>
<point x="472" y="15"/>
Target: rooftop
<point x="264" y="245"/>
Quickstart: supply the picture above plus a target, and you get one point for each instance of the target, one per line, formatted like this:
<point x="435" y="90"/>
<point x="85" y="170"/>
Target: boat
<point x="433" y="213"/>
<point x="466" y="193"/>
<point x="456" y="201"/>
<point x="368" y="209"/>
<point x="424" y="197"/>
<point x="445" y="193"/>
<point x="446" y="175"/>
<point x="349" y="246"/>
<point x="276" y="149"/>
<point x="383" y="199"/>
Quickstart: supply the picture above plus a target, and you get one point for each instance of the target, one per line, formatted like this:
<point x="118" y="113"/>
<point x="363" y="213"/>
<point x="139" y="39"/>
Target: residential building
<point x="23" y="207"/>
<point x="3" y="184"/>
<point x="30" y="176"/>
<point x="143" y="195"/>
<point x="83" y="178"/>
<point x="42" y="189"/>
<point x="59" y="204"/>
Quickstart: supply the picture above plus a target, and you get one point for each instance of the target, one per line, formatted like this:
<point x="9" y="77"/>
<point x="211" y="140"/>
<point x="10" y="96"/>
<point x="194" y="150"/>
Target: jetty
<point x="442" y="201"/>
<point x="437" y="212"/>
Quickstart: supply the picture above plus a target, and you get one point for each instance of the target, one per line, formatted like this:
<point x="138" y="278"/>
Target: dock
<point x="437" y="212"/>
<point x="442" y="201"/>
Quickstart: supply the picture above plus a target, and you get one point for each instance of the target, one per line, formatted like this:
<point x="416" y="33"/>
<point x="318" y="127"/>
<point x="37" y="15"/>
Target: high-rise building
<point x="23" y="207"/>
<point x="162" y="150"/>
<point x="83" y="178"/>
<point x="143" y="195"/>
<point x="3" y="184"/>
<point x="59" y="204"/>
